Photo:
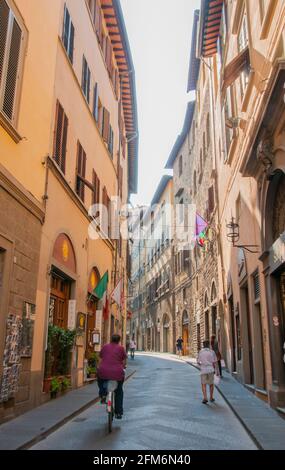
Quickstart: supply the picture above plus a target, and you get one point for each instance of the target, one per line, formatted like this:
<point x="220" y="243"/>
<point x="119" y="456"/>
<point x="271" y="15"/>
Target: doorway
<point x="207" y="326"/>
<point x="59" y="298"/>
<point x="233" y="335"/>
<point x="214" y="319"/>
<point x="246" y="317"/>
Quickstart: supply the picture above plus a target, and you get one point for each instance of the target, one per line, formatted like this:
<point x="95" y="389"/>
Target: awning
<point x="235" y="67"/>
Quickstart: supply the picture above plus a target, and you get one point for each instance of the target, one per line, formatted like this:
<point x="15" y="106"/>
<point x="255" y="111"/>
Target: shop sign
<point x="98" y="321"/>
<point x="71" y="314"/>
<point x="96" y="338"/>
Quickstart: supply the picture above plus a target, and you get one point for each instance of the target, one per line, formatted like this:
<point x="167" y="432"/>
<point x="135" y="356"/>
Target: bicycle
<point x="110" y="403"/>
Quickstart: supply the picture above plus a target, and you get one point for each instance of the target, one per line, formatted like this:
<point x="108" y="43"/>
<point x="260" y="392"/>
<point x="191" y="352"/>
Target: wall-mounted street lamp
<point x="233" y="235"/>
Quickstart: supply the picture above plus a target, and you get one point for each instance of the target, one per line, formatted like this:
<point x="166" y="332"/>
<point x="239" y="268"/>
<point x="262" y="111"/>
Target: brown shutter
<point x="106" y="125"/>
<point x="64" y="141"/>
<point x="117" y="84"/>
<point x="81" y="171"/>
<point x="12" y="72"/>
<point x="58" y="133"/>
<point x="60" y="137"/>
<point x="109" y="55"/>
<point x="4" y="20"/>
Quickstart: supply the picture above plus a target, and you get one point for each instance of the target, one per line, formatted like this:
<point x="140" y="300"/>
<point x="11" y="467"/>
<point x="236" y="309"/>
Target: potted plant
<point x="91" y="371"/>
<point x="92" y="365"/>
<point x="65" y="384"/>
<point x="54" y="387"/>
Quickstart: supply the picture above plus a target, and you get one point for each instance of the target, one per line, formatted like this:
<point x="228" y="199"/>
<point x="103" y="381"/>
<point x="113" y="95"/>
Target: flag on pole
<point x="101" y="287"/>
<point x="117" y="294"/>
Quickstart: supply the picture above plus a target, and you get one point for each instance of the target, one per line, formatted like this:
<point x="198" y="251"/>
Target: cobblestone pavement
<point x="163" y="411"/>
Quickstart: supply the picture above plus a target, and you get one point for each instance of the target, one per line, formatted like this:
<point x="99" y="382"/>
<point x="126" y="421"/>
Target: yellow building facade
<point x="68" y="141"/>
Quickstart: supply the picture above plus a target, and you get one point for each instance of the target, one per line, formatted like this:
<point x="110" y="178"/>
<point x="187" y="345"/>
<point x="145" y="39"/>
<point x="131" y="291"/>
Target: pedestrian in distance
<point x="215" y="348"/>
<point x="179" y="346"/>
<point x="127" y="345"/>
<point x="133" y="347"/>
<point x="207" y="361"/>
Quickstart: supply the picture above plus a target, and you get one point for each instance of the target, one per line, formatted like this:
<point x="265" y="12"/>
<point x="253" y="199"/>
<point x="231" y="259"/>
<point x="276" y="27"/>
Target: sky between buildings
<point x="160" y="34"/>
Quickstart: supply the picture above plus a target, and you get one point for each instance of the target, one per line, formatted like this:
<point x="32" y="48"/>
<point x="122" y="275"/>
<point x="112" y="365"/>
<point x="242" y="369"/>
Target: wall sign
<point x="71" y="314"/>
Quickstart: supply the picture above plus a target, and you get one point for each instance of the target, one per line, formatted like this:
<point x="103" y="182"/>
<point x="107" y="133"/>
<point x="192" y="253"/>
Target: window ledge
<point x="8" y="126"/>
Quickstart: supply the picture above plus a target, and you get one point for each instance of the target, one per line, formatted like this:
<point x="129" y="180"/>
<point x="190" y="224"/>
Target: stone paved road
<point x="163" y="411"/>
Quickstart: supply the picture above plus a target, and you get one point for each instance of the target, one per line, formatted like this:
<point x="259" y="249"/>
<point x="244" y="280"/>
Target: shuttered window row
<point x="11" y="38"/>
<point x="60" y="137"/>
<point x="68" y="34"/>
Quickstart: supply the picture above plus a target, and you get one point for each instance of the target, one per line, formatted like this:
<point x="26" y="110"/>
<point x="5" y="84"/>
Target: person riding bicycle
<point x="113" y="360"/>
<point x="133" y="347"/>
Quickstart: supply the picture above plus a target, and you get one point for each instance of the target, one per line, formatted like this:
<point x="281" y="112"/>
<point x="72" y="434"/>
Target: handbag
<point x="217" y="379"/>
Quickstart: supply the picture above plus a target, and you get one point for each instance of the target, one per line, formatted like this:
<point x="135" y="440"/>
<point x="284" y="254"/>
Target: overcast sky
<point x="160" y="38"/>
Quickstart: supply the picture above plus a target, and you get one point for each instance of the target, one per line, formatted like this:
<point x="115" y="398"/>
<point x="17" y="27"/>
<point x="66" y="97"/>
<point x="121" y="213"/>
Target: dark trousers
<point x="119" y="394"/>
<point x="220" y="367"/>
<point x="132" y="353"/>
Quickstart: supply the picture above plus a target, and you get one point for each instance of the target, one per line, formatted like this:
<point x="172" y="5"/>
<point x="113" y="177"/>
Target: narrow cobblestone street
<point x="163" y="410"/>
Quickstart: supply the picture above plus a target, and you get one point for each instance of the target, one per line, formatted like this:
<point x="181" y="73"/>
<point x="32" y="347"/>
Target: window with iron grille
<point x="256" y="284"/>
<point x="11" y="49"/>
<point x="68" y="34"/>
<point x="81" y="172"/>
<point x="86" y="79"/>
<point x="60" y="137"/>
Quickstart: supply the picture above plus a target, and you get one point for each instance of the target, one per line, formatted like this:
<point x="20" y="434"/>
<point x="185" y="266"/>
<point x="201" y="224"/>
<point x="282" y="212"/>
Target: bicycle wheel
<point x="110" y="409"/>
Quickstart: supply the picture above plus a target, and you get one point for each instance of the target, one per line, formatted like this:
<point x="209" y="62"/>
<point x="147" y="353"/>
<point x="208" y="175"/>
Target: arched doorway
<point x="185" y="333"/>
<point x="63" y="272"/>
<point x="166" y="334"/>
<point x="62" y="307"/>
<point x="92" y="328"/>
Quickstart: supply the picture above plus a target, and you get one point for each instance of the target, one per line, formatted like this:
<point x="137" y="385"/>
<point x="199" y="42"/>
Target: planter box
<point x="46" y="385"/>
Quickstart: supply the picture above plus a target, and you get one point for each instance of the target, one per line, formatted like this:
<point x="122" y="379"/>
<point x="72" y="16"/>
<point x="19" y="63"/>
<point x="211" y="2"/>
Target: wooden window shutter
<point x="4" y="20"/>
<point x="66" y="26"/>
<point x="64" y="142"/>
<point x="117" y="84"/>
<point x="106" y="124"/>
<point x="96" y="103"/>
<point x="60" y="137"/>
<point x="81" y="171"/>
<point x="96" y="188"/>
<point x="71" y="43"/>
<point x="211" y="199"/>
<point x="12" y="71"/>
<point x="97" y="18"/>
<point x="108" y="54"/>
<point x="111" y="141"/>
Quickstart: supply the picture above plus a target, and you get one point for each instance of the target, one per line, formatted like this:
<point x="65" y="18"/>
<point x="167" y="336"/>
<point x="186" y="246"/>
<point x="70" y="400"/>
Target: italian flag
<point x="100" y="292"/>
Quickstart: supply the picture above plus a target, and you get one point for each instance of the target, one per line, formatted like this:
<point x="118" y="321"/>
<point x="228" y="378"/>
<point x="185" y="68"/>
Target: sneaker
<point x="103" y="400"/>
<point x="118" y="416"/>
<point x="205" y="402"/>
<point x="212" y="400"/>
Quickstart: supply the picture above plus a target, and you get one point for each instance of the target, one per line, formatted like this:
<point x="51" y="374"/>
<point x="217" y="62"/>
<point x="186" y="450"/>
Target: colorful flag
<point x="101" y="287"/>
<point x="201" y="225"/>
<point x="117" y="293"/>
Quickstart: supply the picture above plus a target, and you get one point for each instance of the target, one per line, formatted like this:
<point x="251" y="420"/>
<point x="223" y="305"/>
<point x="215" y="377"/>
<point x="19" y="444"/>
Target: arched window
<point x="213" y="292"/>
